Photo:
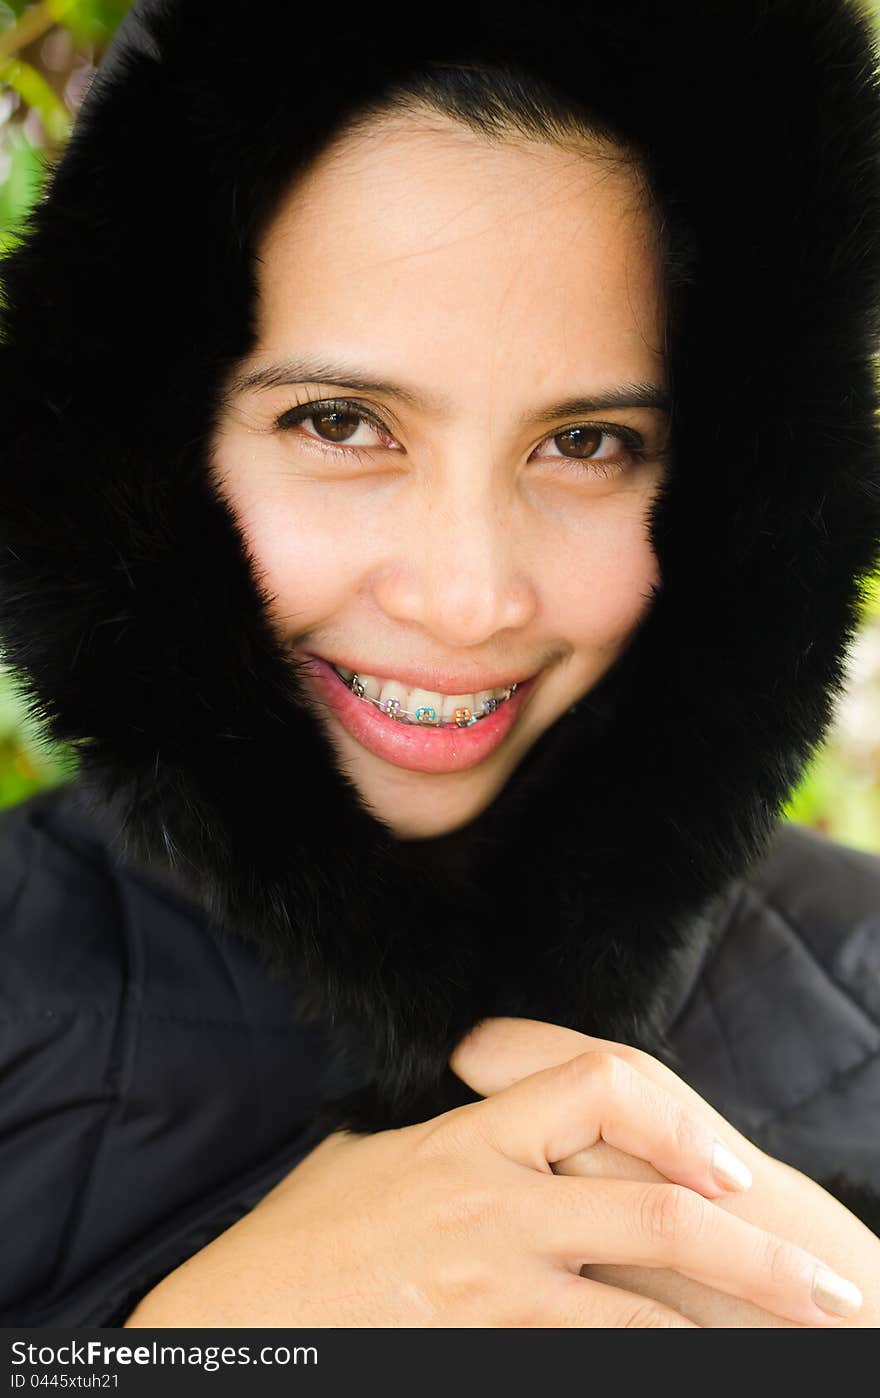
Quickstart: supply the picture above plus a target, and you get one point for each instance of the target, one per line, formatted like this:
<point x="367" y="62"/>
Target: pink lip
<point x="409" y="745"/>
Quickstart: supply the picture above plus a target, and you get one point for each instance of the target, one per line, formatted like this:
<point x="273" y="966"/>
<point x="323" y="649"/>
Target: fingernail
<point x="731" y="1171"/>
<point x="834" y="1294"/>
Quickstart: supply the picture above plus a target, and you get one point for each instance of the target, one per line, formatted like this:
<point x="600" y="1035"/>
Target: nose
<point x="456" y="570"/>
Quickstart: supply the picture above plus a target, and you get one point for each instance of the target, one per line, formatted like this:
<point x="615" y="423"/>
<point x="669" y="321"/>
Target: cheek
<point x="608" y="589"/>
<point x="302" y="567"/>
<point x="301" y="550"/>
<point x="305" y="561"/>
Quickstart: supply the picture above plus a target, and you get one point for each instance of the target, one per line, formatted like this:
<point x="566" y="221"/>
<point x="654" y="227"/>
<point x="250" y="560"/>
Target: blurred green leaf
<point x="840" y="803"/>
<point x="28" y="761"/>
<point x="95" y="21"/>
<point x="25" y="175"/>
<point x="32" y="86"/>
<point x="15" y="8"/>
<point x="871" y="595"/>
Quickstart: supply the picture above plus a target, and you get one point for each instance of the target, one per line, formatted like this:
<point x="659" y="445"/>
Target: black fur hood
<point x="130" y="607"/>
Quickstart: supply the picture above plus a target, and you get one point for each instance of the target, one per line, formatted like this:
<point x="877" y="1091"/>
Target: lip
<point x="410" y="745"/>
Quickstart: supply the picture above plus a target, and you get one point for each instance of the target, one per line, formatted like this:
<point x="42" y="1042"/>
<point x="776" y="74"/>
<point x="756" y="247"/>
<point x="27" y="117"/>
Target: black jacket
<point x="156" y="1082"/>
<point x="132" y="613"/>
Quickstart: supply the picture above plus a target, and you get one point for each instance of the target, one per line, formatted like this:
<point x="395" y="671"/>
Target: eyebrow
<point x="293" y="370"/>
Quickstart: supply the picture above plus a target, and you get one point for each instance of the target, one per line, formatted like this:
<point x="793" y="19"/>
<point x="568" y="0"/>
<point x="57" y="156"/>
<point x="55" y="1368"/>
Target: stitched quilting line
<point x="100" y="858"/>
<point x="829" y="975"/>
<point x="24" y="881"/>
<point x="827" y="1087"/>
<point x="717" y="941"/>
<point x="169" y="1244"/>
<point x="249" y="1023"/>
<point x="718" y="1019"/>
<point x="147" y="1016"/>
<point x="240" y="1026"/>
<point x="815" y="1094"/>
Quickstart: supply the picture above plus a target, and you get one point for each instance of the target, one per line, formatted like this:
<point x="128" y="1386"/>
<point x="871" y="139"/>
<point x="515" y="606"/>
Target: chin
<point x="424" y="805"/>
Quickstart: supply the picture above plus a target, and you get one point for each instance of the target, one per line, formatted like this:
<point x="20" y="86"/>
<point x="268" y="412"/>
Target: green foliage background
<point x="48" y="53"/>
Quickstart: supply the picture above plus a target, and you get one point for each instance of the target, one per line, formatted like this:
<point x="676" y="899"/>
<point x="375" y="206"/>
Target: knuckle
<point x="687" y="1133"/>
<point x="632" y="1057"/>
<point x="649" y="1067"/>
<point x="669" y="1215"/>
<point x="596" y="1070"/>
<point x="777" y="1261"/>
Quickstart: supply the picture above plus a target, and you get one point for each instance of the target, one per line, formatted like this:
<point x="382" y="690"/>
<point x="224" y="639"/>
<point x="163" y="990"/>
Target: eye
<point x="585" y="450"/>
<point x="339" y="425"/>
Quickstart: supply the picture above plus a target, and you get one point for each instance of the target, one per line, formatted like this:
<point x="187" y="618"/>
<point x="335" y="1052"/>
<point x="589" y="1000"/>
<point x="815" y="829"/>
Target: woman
<point x="474" y="376"/>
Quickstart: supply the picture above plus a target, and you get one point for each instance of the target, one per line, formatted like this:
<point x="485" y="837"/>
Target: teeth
<point x="438" y="708"/>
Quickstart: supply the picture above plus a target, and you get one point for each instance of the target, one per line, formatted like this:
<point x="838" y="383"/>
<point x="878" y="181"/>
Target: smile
<point x="424" y="707"/>
<point x="418" y="729"/>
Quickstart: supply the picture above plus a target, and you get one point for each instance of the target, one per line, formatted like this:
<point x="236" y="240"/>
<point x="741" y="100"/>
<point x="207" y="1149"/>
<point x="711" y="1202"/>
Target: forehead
<point x="420" y="235"/>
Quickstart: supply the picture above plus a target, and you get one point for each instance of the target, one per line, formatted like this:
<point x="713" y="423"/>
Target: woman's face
<point x="462" y="511"/>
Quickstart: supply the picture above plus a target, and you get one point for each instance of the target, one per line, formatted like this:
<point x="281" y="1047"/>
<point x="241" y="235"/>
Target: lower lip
<point x="414" y="746"/>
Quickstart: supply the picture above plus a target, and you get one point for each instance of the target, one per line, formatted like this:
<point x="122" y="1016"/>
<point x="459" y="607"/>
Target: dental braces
<point x="425" y="714"/>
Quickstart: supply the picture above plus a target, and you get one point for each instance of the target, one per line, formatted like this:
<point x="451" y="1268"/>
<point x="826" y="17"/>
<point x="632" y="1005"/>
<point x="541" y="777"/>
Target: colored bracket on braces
<point x="425" y="714"/>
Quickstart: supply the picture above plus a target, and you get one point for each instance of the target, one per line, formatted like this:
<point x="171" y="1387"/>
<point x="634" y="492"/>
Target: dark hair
<point x="494" y="100"/>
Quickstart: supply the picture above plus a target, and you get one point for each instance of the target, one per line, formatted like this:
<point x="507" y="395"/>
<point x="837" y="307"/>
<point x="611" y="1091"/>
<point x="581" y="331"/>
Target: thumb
<point x="500" y="1051"/>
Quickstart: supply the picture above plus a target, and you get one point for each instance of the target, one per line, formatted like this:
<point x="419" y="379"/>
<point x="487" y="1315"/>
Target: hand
<point x="461" y="1221"/>
<point x="502" y="1051"/>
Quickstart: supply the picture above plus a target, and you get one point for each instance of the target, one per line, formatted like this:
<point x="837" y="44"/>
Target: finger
<point x="663" y="1225"/>
<point x="499" y="1051"/>
<point x="604" y="1162"/>
<point x="591" y="1305"/>
<point x="598" y="1097"/>
<point x="502" y="1050"/>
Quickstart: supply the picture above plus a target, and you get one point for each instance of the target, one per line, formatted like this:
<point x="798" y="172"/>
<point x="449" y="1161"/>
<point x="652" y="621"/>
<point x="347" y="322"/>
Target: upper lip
<point x="437" y="681"/>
